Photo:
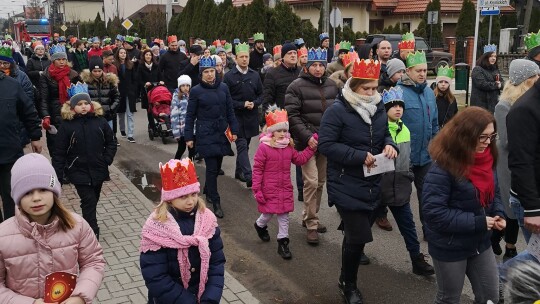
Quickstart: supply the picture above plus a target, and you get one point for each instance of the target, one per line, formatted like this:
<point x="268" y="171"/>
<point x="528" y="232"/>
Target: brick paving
<point x="122" y="210"/>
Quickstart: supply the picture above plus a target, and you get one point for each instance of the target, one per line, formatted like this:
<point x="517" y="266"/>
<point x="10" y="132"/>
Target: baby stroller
<point x="159" y="104"/>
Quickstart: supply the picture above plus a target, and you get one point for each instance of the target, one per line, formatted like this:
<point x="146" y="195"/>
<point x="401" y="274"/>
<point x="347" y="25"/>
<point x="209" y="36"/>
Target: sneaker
<point x="123" y="133"/>
<point x="131" y="139"/>
<point x="421" y="266"/>
<point x="262" y="232"/>
<point x="383" y="223"/>
<point x="312" y="237"/>
<point x="115" y="140"/>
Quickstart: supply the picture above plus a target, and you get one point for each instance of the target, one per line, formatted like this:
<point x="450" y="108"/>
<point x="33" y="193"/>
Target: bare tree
<point x="33" y="9"/>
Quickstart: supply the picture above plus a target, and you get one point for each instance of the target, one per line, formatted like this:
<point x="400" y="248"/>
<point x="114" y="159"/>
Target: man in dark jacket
<point x="170" y="64"/>
<point x="246" y="92"/>
<point x="523" y="127"/>
<point x="324" y="39"/>
<point x="16" y="107"/>
<point x="278" y="79"/>
<point x="306" y="100"/>
<point x="256" y="56"/>
<point x="190" y="66"/>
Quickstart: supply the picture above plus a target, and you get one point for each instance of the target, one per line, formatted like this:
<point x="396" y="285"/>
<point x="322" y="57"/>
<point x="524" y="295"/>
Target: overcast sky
<point x="10" y="6"/>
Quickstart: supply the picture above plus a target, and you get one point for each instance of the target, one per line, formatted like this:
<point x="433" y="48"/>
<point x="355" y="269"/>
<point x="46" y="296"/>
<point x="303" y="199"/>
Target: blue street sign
<point x="490" y="11"/>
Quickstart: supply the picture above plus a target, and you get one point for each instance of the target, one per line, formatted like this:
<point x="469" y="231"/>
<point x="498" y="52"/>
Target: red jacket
<point x="95" y="52"/>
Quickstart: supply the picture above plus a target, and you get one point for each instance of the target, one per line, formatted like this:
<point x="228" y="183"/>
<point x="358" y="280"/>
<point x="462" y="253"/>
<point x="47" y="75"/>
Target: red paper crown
<point x="216" y="43"/>
<point x="179" y="176"/>
<point x="171" y="39"/>
<point x="223" y="42"/>
<point x="366" y="69"/>
<point x="275" y="117"/>
<point x="277" y="49"/>
<point x="347" y="58"/>
<point x="302" y="51"/>
<point x="406" y="45"/>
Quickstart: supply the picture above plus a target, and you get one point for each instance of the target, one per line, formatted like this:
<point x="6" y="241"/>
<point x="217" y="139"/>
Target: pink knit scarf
<point x="156" y="235"/>
<point x="267" y="139"/>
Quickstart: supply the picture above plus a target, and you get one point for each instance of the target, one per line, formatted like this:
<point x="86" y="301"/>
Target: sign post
<point x="64" y="28"/>
<point x="335" y="21"/>
<point x="127" y="24"/>
<point x="490" y="11"/>
<point x="433" y="18"/>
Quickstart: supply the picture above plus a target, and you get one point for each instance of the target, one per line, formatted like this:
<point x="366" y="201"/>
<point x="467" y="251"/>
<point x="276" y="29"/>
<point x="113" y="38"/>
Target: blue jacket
<point x="420" y="116"/>
<point x="212" y="107"/>
<point x="245" y="87"/>
<point x="345" y="139"/>
<point x="455" y="222"/>
<point x="178" y="113"/>
<point x="161" y="271"/>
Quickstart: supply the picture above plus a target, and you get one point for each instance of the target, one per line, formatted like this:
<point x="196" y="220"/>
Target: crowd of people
<point x="336" y="113"/>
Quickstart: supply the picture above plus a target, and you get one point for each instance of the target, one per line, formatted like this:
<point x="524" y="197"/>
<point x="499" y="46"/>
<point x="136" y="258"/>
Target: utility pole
<point x="168" y="15"/>
<point x="528" y="13"/>
<point x="117" y="9"/>
<point x="326" y="15"/>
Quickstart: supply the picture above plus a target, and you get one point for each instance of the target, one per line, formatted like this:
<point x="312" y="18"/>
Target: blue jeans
<point x="404" y="219"/>
<point x="518" y="212"/>
<point x="122" y="119"/>
<point x="242" y="158"/>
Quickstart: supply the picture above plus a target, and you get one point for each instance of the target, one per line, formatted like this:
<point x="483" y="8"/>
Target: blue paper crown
<point x="236" y="40"/>
<point x="395" y="93"/>
<point x="95" y="39"/>
<point x="207" y="62"/>
<point x="490" y="48"/>
<point x="120" y="37"/>
<point x="62" y="39"/>
<point x="57" y="48"/>
<point x="78" y="88"/>
<point x="299" y="41"/>
<point x="323" y="36"/>
<point x="317" y="54"/>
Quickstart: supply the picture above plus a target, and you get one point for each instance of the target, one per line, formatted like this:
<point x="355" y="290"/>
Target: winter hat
<point x="521" y="70"/>
<point x="78" y="92"/>
<point x="184" y="79"/>
<point x="178" y="178"/>
<point x="95" y="62"/>
<point x="33" y="171"/>
<point x="393" y="66"/>
<point x="266" y="56"/>
<point x="276" y="119"/>
<point x="287" y="47"/>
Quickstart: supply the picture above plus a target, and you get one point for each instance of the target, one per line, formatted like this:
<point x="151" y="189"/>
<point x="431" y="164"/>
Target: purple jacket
<point x="272" y="185"/>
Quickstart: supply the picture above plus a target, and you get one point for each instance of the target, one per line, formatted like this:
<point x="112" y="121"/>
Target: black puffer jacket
<point x="306" y="100"/>
<point x="275" y="85"/>
<point x="170" y="65"/>
<point x="103" y="90"/>
<point x="84" y="147"/>
<point x="485" y="92"/>
<point x="50" y="102"/>
<point x="36" y="65"/>
<point x="147" y="75"/>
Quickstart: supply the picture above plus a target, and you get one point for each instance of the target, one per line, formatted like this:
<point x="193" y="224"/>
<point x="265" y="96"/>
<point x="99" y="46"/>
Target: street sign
<point x="433" y="17"/>
<point x="63" y="27"/>
<point x="127" y="24"/>
<point x="335" y="17"/>
<point x="492" y="3"/>
<point x="490" y="11"/>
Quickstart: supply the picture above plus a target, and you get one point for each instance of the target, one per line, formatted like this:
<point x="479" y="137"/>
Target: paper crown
<point x="8" y="37"/>
<point x="212" y="49"/>
<point x="302" y="52"/>
<point x="366" y="69"/>
<point x="228" y="47"/>
<point x="119" y="37"/>
<point x="317" y="54"/>
<point x="258" y="37"/>
<point x="95" y="39"/>
<point x="55" y="35"/>
<point x="207" y="62"/>
<point x="348" y="58"/>
<point x="107" y="40"/>
<point x="407" y="42"/>
<point x="276" y="119"/>
<point x="84" y="39"/>
<point x="178" y="178"/>
<point x="299" y="41"/>
<point x="236" y="40"/>
<point x="324" y="36"/>
<point x="532" y="40"/>
<point x="6" y="53"/>
<point x="143" y="41"/>
<point x="277" y="49"/>
<point x="416" y="58"/>
<point x="216" y="42"/>
<point x="395" y="93"/>
<point x="445" y="72"/>
<point x="172" y="38"/>
<point x="72" y="40"/>
<point x="57" y="48"/>
<point x="241" y="47"/>
<point x="77" y="88"/>
<point x="345" y="45"/>
<point x="490" y="48"/>
<point x="129" y="39"/>
<point x="62" y="39"/>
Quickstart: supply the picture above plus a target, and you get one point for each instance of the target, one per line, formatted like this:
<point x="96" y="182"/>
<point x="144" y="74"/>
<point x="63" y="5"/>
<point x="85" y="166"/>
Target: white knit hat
<point x="184" y="79"/>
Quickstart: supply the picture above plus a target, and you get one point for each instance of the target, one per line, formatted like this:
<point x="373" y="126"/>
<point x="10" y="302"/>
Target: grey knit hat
<point x="521" y="70"/>
<point x="393" y="66"/>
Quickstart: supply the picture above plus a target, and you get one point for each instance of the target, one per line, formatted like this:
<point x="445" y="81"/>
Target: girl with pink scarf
<point x="182" y="258"/>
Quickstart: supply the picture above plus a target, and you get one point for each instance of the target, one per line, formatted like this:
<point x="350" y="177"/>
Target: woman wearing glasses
<point x="462" y="205"/>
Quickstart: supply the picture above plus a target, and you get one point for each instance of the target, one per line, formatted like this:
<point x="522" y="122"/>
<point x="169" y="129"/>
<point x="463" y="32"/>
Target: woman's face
<point x="184" y="88"/>
<point x="368" y="88"/>
<point x="493" y="58"/>
<point x="148" y="57"/>
<point x="207" y="53"/>
<point x="209" y="75"/>
<point x="122" y="54"/>
<point x="60" y="63"/>
<point x="487" y="136"/>
<point x="443" y="85"/>
<point x="40" y="51"/>
<point x="185" y="203"/>
<point x="219" y="68"/>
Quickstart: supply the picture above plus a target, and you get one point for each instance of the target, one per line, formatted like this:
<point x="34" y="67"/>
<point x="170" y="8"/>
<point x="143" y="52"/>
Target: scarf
<point x="61" y="76"/>
<point x="7" y="71"/>
<point x="149" y="66"/>
<point x="266" y="138"/>
<point x="365" y="106"/>
<point x="156" y="235"/>
<point x="481" y="176"/>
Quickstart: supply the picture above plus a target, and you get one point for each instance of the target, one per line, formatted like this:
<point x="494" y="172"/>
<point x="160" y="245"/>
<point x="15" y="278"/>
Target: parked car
<point x="435" y="59"/>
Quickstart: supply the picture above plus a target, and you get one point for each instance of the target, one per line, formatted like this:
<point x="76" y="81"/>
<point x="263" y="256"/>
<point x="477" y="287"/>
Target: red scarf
<point x="61" y="75"/>
<point x="481" y="176"/>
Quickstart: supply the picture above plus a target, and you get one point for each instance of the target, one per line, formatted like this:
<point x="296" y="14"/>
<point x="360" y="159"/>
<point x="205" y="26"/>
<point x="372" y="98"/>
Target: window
<point x="406" y="26"/>
<point x="174" y="1"/>
<point x="347" y="22"/>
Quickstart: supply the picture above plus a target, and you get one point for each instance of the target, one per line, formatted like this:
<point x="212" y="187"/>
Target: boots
<point x="262" y="232"/>
<point x="351" y="293"/>
<point x="217" y="210"/>
<point x="364" y="260"/>
<point x="350" y="261"/>
<point x="420" y="266"/>
<point x="283" y="248"/>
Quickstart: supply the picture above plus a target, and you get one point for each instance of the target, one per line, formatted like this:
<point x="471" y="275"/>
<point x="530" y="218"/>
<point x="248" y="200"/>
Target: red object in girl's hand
<point x="497" y="77"/>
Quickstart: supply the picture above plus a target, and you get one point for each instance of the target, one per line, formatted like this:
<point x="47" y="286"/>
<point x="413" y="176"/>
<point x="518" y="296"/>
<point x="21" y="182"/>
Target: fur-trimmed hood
<point x="108" y="78"/>
<point x="69" y="114"/>
<point x="339" y="78"/>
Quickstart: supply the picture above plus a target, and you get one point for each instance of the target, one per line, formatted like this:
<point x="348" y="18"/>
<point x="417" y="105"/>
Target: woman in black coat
<point x="148" y="74"/>
<point x="487" y="82"/>
<point x="37" y="63"/>
<point x="353" y="131"/>
<point x="127" y="88"/>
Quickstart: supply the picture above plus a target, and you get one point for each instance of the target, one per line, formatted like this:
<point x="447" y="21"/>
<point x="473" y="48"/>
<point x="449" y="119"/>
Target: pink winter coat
<point x="272" y="185"/>
<point x="30" y="251"/>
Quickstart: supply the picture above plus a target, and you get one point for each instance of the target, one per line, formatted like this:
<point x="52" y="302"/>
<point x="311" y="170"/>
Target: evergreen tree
<point x="114" y="27"/>
<point x="256" y="12"/>
<point x="309" y="34"/>
<point x="348" y="34"/>
<point x="483" y="31"/>
<point x="465" y="25"/>
<point x="99" y="27"/>
<point x="425" y="30"/>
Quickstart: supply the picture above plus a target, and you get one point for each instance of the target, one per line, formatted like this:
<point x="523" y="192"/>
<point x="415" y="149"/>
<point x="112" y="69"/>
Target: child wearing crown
<point x="84" y="149"/>
<point x="182" y="259"/>
<point x="272" y="186"/>
<point x="446" y="101"/>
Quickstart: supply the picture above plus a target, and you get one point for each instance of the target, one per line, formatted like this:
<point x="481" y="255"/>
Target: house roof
<point x="296" y="2"/>
<point x="419" y="6"/>
<point x="153" y="7"/>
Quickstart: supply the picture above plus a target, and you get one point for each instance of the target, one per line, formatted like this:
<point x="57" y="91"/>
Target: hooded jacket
<point x="339" y="78"/>
<point x="36" y="65"/>
<point x="104" y="91"/>
<point x="50" y="103"/>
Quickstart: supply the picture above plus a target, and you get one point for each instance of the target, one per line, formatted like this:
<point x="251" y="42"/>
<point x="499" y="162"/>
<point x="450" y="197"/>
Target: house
<point x="133" y="8"/>
<point x="63" y="11"/>
<point x="145" y="10"/>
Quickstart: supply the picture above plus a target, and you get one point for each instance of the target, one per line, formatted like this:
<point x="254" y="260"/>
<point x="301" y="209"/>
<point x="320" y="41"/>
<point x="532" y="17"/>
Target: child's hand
<point x="74" y="300"/>
<point x="39" y="301"/>
<point x="259" y="197"/>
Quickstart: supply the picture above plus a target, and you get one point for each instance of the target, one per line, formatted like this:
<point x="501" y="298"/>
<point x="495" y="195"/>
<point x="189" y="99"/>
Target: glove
<point x="46" y="123"/>
<point x="259" y="197"/>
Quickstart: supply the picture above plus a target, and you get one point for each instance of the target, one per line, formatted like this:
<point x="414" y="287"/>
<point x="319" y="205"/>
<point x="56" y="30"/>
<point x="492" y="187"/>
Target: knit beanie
<point x="33" y="171"/>
<point x="393" y="66"/>
<point x="521" y="70"/>
<point x="184" y="79"/>
<point x="95" y="62"/>
<point x="266" y="56"/>
<point x="287" y="47"/>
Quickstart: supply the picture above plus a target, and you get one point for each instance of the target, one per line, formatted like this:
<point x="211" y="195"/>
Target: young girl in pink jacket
<point x="45" y="238"/>
<point x="272" y="185"/>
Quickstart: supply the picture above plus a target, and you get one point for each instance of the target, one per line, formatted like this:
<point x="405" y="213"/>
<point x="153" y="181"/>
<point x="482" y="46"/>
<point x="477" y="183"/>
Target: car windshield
<point x="421" y="45"/>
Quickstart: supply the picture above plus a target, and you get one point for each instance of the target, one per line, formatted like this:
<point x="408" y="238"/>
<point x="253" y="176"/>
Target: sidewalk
<point x="121" y="212"/>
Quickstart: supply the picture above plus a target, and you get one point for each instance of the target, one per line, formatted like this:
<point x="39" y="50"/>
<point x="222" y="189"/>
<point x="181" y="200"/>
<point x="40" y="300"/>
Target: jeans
<point x="213" y="165"/>
<point x="482" y="273"/>
<point x="404" y="219"/>
<point x="122" y="119"/>
<point x="518" y="212"/>
<point x="419" y="174"/>
<point x="89" y="195"/>
<point x="242" y="159"/>
<point x="314" y="176"/>
<point x="283" y="223"/>
<point x="8" y="205"/>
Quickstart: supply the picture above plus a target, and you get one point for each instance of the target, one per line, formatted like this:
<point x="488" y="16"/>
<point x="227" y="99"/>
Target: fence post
<point x="451" y="42"/>
<point x="470" y="50"/>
